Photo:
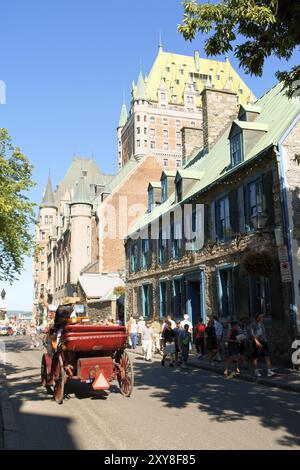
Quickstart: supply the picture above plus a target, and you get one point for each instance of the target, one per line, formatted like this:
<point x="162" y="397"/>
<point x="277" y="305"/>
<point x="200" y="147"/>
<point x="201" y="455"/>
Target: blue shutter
<point x="213" y="221"/>
<point x="241" y="209"/>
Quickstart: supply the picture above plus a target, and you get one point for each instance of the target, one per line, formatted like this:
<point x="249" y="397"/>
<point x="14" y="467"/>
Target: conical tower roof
<point x="123" y="115"/>
<point x="48" y="199"/>
<point x="81" y="195"/>
<point x="141" y="92"/>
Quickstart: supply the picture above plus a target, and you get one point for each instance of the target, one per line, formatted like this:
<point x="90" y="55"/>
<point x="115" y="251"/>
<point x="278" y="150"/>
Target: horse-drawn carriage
<point x="93" y="354"/>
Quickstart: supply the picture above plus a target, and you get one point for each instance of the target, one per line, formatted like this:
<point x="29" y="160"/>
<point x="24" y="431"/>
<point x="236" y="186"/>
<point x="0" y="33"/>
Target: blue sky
<point x="65" y="64"/>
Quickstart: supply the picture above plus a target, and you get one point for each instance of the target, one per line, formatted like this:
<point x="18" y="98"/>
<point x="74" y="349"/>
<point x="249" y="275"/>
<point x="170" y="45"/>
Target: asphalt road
<point x="169" y="409"/>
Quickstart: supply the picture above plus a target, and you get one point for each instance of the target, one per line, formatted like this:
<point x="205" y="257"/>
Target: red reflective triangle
<point x="100" y="382"/>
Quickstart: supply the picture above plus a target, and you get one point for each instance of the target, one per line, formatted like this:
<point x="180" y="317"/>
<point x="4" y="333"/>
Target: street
<point x="169" y="409"/>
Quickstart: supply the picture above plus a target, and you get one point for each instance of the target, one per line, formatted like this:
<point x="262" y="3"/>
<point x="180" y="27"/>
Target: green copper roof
<point x="81" y="195"/>
<point x="123" y="115"/>
<point x="141" y="92"/>
<point x="48" y="199"/>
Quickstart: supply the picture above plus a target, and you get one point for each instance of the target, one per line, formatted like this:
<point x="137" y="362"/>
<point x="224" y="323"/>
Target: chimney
<point x="192" y="139"/>
<point x="220" y="108"/>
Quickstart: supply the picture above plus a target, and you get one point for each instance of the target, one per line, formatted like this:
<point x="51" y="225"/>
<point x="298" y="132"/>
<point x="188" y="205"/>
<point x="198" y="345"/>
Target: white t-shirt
<point x="133" y="328"/>
<point x="187" y="322"/>
<point x="218" y="328"/>
<point x="147" y="333"/>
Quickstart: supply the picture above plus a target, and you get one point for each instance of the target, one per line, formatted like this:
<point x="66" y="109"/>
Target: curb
<point x="246" y="377"/>
<point x="8" y="421"/>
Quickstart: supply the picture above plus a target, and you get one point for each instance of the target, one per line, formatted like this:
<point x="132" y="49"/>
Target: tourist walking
<point x="185" y="339"/>
<point x="177" y="331"/>
<point x="147" y="340"/>
<point x="242" y="339"/>
<point x="33" y="336"/>
<point x="168" y="337"/>
<point x="233" y="348"/>
<point x="260" y="345"/>
<point x="200" y="337"/>
<point x="140" y="326"/>
<point x="219" y="334"/>
<point x="156" y="326"/>
<point x="132" y="331"/>
<point x="211" y="341"/>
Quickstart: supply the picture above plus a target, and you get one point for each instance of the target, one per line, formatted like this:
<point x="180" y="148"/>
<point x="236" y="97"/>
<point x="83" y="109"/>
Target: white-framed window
<point x="166" y="161"/>
<point x="177" y="122"/>
<point x="162" y="95"/>
<point x="174" y="98"/>
<point x="193" y="124"/>
<point x="152" y="119"/>
<point x="145" y="118"/>
<point x="165" y="121"/>
<point x="166" y="146"/>
<point x="152" y="144"/>
<point x="138" y="143"/>
<point x="178" y="135"/>
<point x="218" y="77"/>
<point x="178" y="163"/>
<point x="43" y="235"/>
<point x="138" y="130"/>
<point x="138" y="117"/>
<point x="145" y="143"/>
<point x="43" y="266"/>
<point x="152" y="132"/>
<point x="165" y="133"/>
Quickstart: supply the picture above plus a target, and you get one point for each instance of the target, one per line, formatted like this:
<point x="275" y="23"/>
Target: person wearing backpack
<point x="185" y="339"/>
<point x="233" y="348"/>
<point x="200" y="337"/>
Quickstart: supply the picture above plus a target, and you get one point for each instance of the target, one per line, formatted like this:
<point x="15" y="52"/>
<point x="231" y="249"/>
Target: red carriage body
<point x="93" y="354"/>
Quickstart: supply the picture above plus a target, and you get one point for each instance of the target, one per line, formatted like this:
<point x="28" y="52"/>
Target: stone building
<point x="222" y="235"/>
<point x="169" y="99"/>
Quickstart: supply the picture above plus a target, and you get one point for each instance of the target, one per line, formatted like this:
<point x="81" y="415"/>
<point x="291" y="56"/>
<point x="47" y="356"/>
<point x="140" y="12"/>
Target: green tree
<point x="16" y="210"/>
<point x="269" y="27"/>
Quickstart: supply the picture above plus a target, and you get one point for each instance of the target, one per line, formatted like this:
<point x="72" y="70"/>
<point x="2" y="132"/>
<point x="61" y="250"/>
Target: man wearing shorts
<point x="260" y="346"/>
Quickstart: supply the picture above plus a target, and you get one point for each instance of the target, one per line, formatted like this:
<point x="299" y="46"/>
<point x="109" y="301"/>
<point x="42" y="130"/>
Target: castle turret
<point x="81" y="219"/>
<point x="122" y="122"/>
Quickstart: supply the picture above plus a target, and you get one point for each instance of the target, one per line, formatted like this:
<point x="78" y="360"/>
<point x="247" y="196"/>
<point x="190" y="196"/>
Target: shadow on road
<point x="224" y="400"/>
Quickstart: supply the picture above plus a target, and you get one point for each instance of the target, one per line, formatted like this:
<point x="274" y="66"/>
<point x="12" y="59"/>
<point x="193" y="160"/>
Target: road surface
<point x="169" y="409"/>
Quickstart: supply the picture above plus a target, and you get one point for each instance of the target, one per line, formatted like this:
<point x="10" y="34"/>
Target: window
<point x="177" y="297"/>
<point x="145" y="130"/>
<point x="138" y="130"/>
<point x="138" y="143"/>
<point x="259" y="295"/>
<point x="146" y="254"/>
<point x="145" y="118"/>
<point x="179" y="190"/>
<point x="218" y="77"/>
<point x="46" y="220"/>
<point x="162" y="299"/>
<point x="164" y="189"/>
<point x="165" y="121"/>
<point x="193" y="124"/>
<point x="152" y="119"/>
<point x="152" y="144"/>
<point x="166" y="161"/>
<point x="165" y="133"/>
<point x="223" y="219"/>
<point x="42" y="266"/>
<point x="166" y="146"/>
<point x="43" y="235"/>
<point x="177" y="123"/>
<point x="174" y="98"/>
<point x="146" y="298"/>
<point x="178" y="163"/>
<point x="178" y="135"/>
<point x="150" y="200"/>
<point x="255" y="200"/>
<point x="163" y="96"/>
<point x="152" y="132"/>
<point x="226" y="292"/>
<point x="236" y="149"/>
<point x="145" y="143"/>
<point x="134" y="256"/>
<point x="176" y="239"/>
<point x="50" y="219"/>
<point x="162" y="246"/>
<point x="138" y="118"/>
<point x="43" y="252"/>
<point x="84" y="173"/>
<point x="178" y="147"/>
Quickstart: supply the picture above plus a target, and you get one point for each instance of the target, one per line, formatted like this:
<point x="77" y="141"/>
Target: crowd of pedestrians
<point x="235" y="342"/>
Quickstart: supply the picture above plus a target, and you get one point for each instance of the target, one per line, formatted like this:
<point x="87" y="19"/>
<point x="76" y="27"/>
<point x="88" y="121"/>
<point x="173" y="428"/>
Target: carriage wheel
<point x="125" y="375"/>
<point x="59" y="382"/>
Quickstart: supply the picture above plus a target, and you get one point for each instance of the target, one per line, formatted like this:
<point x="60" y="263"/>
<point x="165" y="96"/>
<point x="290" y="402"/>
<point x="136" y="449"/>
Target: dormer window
<point x="164" y="190"/>
<point x="236" y="149"/>
<point x="179" y="190"/>
<point x="150" y="200"/>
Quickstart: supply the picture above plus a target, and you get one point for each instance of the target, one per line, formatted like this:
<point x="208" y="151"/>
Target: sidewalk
<point x="285" y="379"/>
<point x="8" y="426"/>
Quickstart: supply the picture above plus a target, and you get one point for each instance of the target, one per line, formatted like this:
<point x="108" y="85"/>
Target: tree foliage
<point x="269" y="27"/>
<point x="16" y="210"/>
